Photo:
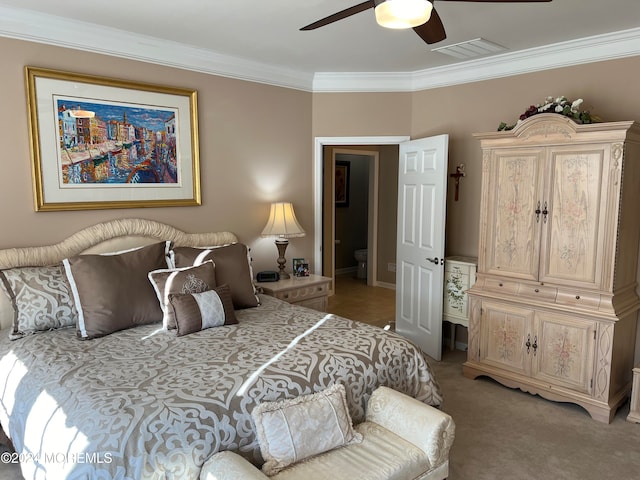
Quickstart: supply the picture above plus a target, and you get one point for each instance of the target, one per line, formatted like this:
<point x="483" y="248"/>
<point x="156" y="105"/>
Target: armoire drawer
<point x="540" y="292"/>
<point x="578" y="299"/>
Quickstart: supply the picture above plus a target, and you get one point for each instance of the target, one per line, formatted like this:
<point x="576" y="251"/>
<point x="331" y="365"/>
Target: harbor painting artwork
<point x="105" y="143"/>
<point x="116" y="144"/>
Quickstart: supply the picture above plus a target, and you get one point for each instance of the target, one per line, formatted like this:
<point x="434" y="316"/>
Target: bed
<point x="146" y="402"/>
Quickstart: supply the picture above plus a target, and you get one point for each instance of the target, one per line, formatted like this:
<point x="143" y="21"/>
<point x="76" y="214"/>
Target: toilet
<point x="361" y="258"/>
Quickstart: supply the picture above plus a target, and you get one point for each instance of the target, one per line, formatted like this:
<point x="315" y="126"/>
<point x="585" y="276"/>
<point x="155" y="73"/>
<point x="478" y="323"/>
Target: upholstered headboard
<point x="115" y="235"/>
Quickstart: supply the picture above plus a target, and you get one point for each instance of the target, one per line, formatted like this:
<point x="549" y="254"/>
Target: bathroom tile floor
<point x="354" y="299"/>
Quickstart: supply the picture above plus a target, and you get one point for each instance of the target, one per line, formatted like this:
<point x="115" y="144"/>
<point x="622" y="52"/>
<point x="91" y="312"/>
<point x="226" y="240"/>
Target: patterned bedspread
<point x="143" y="403"/>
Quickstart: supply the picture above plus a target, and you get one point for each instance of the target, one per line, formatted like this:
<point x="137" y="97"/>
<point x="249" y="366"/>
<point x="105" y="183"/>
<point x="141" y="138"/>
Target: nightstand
<point x="459" y="276"/>
<point x="311" y="291"/>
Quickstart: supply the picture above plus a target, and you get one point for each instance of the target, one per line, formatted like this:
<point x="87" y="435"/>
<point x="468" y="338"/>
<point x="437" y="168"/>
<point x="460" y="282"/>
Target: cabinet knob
<point x="577" y="297"/>
<point x="536" y="290"/>
<point x="500" y="284"/>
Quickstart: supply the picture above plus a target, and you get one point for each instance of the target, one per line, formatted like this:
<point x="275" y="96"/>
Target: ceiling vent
<point x="470" y="49"/>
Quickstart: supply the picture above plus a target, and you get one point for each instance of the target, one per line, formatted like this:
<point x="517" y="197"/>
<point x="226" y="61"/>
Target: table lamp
<point x="283" y="225"/>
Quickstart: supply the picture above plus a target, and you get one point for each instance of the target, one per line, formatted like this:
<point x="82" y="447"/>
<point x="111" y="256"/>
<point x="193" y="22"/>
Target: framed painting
<point x="100" y="143"/>
<point x="342" y="183"/>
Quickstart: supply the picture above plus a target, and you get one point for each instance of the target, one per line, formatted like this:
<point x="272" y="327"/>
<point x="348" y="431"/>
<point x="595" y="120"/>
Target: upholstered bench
<point x="402" y="439"/>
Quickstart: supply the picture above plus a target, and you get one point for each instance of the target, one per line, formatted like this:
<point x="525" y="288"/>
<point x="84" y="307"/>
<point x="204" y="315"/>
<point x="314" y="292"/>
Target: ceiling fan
<point x="431" y="30"/>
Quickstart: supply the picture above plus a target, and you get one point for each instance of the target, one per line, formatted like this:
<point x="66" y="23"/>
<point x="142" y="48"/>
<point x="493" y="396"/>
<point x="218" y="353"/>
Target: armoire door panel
<point x="505" y="330"/>
<point x="565" y="351"/>
<point x="514" y="196"/>
<point x="571" y="252"/>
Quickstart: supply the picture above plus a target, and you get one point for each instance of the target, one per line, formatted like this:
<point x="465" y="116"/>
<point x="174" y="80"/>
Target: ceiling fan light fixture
<point x="400" y="14"/>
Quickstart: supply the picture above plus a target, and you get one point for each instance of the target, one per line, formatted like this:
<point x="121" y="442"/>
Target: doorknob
<point x="433" y="260"/>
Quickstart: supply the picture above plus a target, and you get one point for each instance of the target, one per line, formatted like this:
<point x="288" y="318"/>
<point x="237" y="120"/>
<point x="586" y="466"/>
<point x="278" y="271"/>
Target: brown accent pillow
<point x="181" y="280"/>
<point x="113" y="292"/>
<point x="197" y="311"/>
<point x="233" y="268"/>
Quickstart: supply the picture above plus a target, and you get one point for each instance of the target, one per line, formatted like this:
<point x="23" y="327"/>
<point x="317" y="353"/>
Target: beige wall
<point x="387" y="212"/>
<point x="361" y="114"/>
<point x="254" y="148"/>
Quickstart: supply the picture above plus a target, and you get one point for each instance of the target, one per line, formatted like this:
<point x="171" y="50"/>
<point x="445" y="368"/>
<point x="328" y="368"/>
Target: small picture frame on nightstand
<point x="300" y="267"/>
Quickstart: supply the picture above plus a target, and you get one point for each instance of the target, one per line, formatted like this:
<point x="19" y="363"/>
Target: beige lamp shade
<point x="282" y="222"/>
<point x="402" y="13"/>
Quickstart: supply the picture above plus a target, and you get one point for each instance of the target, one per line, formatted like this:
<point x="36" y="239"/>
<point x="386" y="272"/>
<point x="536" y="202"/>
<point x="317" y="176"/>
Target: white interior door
<point x="422" y="191"/>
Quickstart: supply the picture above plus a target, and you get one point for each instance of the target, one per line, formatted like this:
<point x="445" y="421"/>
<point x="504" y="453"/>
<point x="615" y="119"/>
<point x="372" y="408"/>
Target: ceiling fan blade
<point x="433" y="30"/>
<point x="347" y="12"/>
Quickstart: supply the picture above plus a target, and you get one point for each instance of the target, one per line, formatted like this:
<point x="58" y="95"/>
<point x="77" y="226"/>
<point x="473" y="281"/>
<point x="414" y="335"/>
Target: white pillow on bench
<point x="291" y="430"/>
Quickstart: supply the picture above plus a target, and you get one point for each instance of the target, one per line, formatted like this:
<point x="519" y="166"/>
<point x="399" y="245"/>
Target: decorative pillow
<point x="233" y="268"/>
<point x="181" y="280"/>
<point x="197" y="311"/>
<point x="41" y="299"/>
<point x="113" y="292"/>
<point x="291" y="430"/>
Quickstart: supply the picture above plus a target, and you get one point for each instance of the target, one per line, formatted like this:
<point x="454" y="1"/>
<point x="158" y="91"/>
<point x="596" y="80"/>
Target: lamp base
<point x="282" y="244"/>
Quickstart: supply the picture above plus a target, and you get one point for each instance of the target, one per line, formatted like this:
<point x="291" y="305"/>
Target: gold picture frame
<point x="342" y="183"/>
<point x="99" y="143"/>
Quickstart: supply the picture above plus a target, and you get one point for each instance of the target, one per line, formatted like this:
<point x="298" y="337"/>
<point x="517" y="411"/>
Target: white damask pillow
<point x="291" y="430"/>
<point x="180" y="280"/>
<point x="41" y="299"/>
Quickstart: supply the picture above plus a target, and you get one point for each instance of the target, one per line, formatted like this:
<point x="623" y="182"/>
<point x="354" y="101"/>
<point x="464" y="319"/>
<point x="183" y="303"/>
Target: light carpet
<point x="503" y="433"/>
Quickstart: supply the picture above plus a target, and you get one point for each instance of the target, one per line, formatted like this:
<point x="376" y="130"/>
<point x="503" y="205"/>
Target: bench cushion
<point x="382" y="455"/>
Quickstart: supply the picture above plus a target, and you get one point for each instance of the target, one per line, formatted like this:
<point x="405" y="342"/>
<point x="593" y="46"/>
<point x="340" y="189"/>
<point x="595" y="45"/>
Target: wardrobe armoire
<point x="554" y="308"/>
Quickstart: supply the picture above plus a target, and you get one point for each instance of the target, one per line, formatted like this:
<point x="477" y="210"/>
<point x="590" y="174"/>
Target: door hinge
<point x="594" y="334"/>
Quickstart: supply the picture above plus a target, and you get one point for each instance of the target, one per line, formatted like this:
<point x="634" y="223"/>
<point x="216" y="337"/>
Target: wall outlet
<point x="391" y="267"/>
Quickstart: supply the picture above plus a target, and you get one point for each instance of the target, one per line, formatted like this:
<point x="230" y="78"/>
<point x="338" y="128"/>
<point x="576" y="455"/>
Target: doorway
<point x="326" y="236"/>
<point x="350" y="213"/>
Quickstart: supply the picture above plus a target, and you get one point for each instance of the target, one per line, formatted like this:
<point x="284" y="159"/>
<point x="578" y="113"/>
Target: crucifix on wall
<point x="457" y="176"/>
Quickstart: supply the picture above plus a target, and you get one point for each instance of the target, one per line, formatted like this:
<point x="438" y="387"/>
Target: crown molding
<point x="54" y="30"/>
<point x="596" y="48"/>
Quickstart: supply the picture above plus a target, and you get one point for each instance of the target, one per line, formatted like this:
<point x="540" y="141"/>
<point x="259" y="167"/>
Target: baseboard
<point x="390" y="286"/>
